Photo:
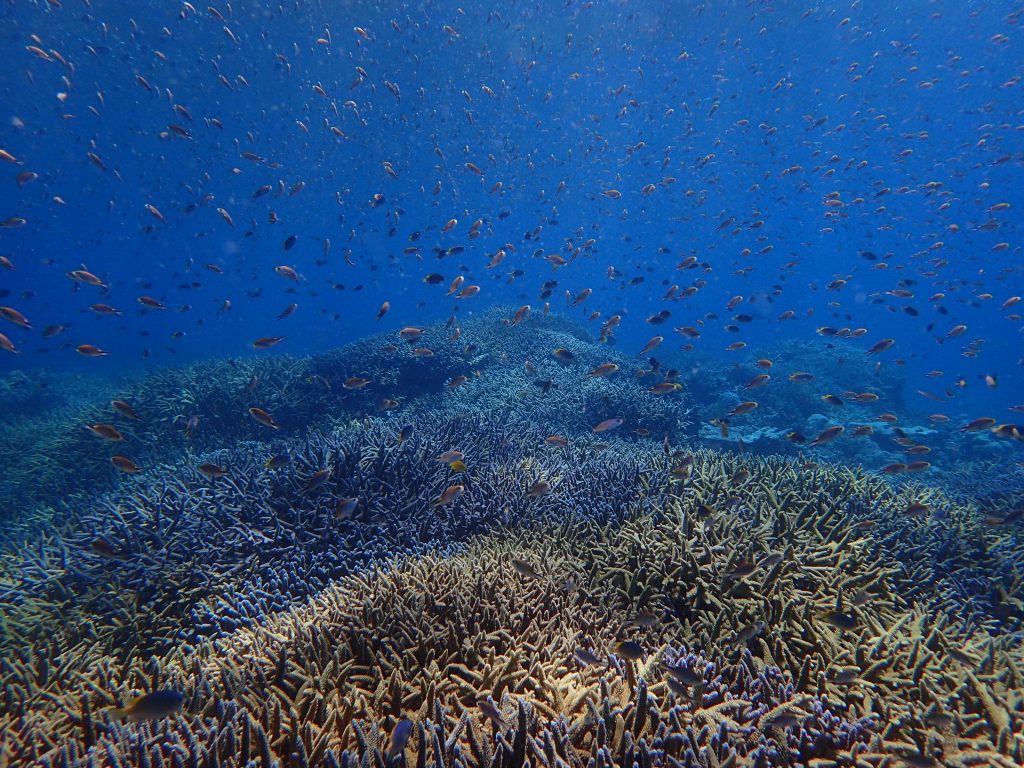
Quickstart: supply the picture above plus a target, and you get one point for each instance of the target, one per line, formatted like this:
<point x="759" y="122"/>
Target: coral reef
<point x="834" y="384"/>
<point x="183" y="538"/>
<point x="477" y="578"/>
<point x="800" y="602"/>
<point x="203" y="407"/>
<point x="833" y="369"/>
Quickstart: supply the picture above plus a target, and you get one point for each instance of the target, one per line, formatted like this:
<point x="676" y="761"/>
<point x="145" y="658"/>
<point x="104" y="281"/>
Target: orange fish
<point x="723" y="427"/>
<point x="345" y="508"/>
<point x="758" y="381"/>
<point x="86" y="277"/>
<point x="451" y="493"/>
<point x="580" y="297"/>
<point x="978" y="424"/>
<point x="665" y="388"/>
<point x="605" y="369"/>
<point x="1011" y="431"/>
<point x="268" y="341"/>
<point x="827" y="436"/>
<point x="743" y="408"/>
<point x="124" y="464"/>
<point x="263" y="417"/>
<point x="651" y="345"/>
<point x="125" y="410"/>
<point x="155" y="213"/>
<point x="410" y="333"/>
<point x="211" y="471"/>
<point x="149" y="301"/>
<point x="89" y="350"/>
<point x="7" y="344"/>
<point x="9" y="313"/>
<point x="106" y="431"/>
<point x="607" y="425"/>
<point x="539" y="488"/>
<point x="315" y="480"/>
<point x="881" y="346"/>
<point x="455" y="286"/>
<point x="520" y="315"/>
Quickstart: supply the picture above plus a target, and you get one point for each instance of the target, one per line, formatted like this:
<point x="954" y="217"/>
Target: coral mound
<point x="471" y="576"/>
<point x="769" y="616"/>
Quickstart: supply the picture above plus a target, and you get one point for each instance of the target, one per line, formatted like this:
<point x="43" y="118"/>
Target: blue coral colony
<point x="556" y="384"/>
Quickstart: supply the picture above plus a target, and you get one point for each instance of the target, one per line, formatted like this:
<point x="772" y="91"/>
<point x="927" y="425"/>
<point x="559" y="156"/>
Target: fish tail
<point x="116" y="714"/>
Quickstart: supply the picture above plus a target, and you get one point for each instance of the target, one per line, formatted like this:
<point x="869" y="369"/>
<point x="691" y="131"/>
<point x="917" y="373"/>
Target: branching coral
<point x="204" y="407"/>
<point x="549" y="595"/>
<point x="811" y="646"/>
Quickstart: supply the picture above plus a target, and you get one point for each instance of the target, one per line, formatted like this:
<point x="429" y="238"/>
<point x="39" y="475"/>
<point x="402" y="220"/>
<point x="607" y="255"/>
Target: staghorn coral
<point x="997" y="487"/>
<point x="821" y="615"/>
<point x="430" y="633"/>
<point x="56" y="457"/>
<point x="511" y="370"/>
<point x="38" y="409"/>
<point x="564" y="396"/>
<point x="182" y="538"/>
<point x="837" y="367"/>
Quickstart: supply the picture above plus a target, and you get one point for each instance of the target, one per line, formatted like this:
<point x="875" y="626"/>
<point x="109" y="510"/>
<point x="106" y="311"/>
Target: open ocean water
<point x="563" y="384"/>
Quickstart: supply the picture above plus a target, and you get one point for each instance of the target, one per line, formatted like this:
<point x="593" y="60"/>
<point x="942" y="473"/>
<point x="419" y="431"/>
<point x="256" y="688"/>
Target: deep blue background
<point x="588" y="97"/>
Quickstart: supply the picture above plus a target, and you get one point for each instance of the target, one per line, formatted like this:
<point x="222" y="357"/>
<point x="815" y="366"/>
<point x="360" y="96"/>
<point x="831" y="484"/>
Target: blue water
<point x="587" y="98"/>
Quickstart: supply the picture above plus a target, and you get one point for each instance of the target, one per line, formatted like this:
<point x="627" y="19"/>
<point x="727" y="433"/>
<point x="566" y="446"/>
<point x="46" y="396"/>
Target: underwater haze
<point x="564" y="384"/>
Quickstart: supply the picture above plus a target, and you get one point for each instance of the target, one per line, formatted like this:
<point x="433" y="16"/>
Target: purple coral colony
<point x="566" y="385"/>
